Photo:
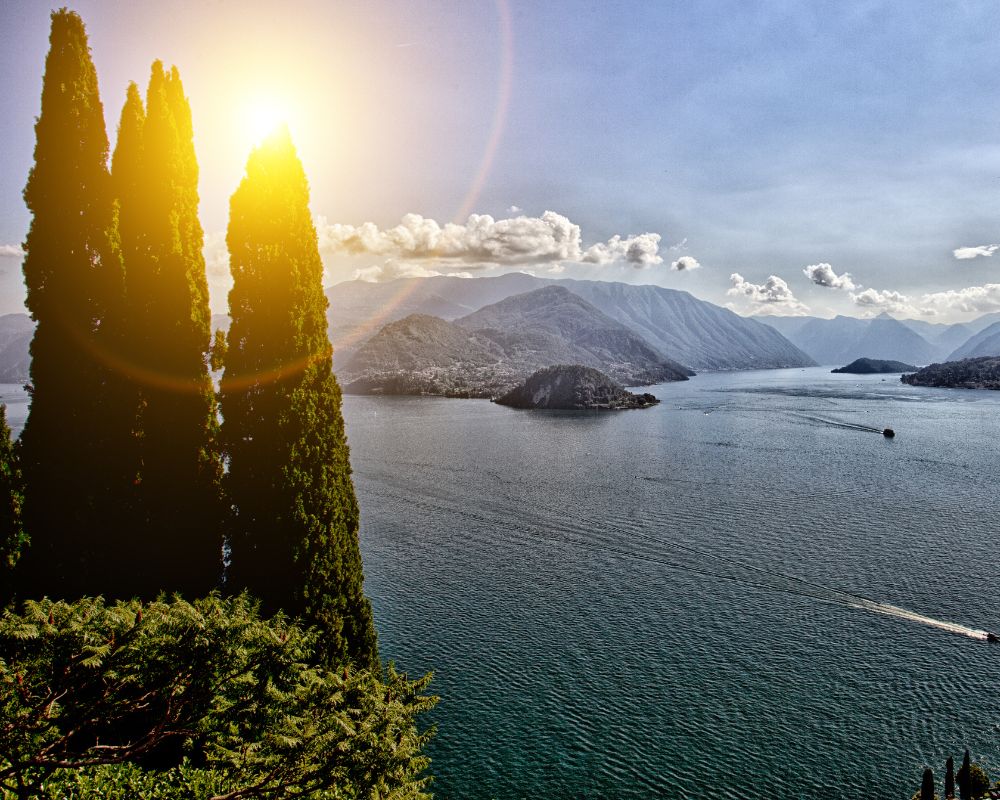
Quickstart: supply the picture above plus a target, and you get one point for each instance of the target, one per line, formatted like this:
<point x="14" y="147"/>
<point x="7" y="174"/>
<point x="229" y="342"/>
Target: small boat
<point x="888" y="433"/>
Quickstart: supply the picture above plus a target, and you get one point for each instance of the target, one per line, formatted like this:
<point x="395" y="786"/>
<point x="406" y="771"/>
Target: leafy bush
<point x="195" y="700"/>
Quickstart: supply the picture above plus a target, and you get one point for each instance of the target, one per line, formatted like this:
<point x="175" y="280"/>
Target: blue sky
<point x="756" y="139"/>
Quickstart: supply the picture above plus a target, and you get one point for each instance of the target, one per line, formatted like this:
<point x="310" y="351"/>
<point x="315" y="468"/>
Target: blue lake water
<point x="571" y="579"/>
<point x="641" y="603"/>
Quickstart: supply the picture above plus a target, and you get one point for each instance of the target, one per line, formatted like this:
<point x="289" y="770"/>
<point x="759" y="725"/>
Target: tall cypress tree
<point x="12" y="539"/>
<point x="73" y="274"/>
<point x="964" y="777"/>
<point x="295" y="535"/>
<point x="949" y="777"/>
<point x="177" y="542"/>
<point x="927" y="785"/>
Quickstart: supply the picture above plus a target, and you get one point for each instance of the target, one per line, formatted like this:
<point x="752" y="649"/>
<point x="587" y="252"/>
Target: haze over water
<point x="532" y="561"/>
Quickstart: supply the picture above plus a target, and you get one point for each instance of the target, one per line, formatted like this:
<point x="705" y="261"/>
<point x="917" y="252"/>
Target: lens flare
<point x="263" y="115"/>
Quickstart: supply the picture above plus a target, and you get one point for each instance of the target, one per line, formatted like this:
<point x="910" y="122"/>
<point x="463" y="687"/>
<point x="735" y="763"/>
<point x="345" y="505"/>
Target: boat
<point x="888" y="433"/>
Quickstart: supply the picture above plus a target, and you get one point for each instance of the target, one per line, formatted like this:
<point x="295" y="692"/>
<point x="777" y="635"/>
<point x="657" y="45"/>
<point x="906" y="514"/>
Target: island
<point x="874" y="366"/>
<point x="573" y="387"/>
<point x="969" y="373"/>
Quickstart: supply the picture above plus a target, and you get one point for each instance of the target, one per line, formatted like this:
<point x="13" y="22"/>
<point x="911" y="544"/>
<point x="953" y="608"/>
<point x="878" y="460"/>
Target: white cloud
<point x="482" y="239"/>
<point x="391" y="269"/>
<point x="515" y="210"/>
<point x="685" y="264"/>
<point x="972" y="299"/>
<point x="963" y="253"/>
<point x="11" y="251"/>
<point x="680" y="245"/>
<point x="216" y="255"/>
<point x="556" y="269"/>
<point x="521" y="240"/>
<point x="640" y="251"/>
<point x="772" y="297"/>
<point x="883" y="300"/>
<point x="823" y="275"/>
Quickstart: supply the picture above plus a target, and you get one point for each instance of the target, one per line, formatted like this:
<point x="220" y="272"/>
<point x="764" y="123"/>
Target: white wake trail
<point x="913" y="616"/>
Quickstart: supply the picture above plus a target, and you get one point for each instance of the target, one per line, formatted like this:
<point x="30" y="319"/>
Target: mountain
<point x="536" y="326"/>
<point x="844" y="339"/>
<point x="984" y="343"/>
<point x="501" y="344"/>
<point x="16" y="331"/>
<point x="680" y="326"/>
<point x="970" y="373"/>
<point x="692" y="331"/>
<point x="870" y="366"/>
<point x="573" y="387"/>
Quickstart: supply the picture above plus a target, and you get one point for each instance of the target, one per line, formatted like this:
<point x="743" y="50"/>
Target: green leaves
<point x="89" y="701"/>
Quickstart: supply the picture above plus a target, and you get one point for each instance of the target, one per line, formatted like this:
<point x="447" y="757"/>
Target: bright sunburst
<point x="263" y="115"/>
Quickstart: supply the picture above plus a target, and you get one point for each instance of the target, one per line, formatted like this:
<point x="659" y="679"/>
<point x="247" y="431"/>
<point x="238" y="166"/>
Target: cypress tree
<point x="927" y="785"/>
<point x="294" y="539"/>
<point x="73" y="274"/>
<point x="177" y="544"/>
<point x="12" y="537"/>
<point x="963" y="778"/>
<point x="949" y="777"/>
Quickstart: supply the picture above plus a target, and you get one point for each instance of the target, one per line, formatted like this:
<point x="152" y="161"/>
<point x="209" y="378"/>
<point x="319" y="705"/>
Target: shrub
<point x="204" y="699"/>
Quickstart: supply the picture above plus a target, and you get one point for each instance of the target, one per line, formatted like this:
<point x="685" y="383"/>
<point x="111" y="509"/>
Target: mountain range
<point x="844" y="339"/>
<point x="680" y="327"/>
<point x="16" y="331"/>
<point x="984" y="343"/>
<point x="693" y="332"/>
<point x="485" y="353"/>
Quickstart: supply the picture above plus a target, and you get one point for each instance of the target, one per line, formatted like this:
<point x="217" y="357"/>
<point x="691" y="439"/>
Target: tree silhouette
<point x="295" y="530"/>
<point x="73" y="274"/>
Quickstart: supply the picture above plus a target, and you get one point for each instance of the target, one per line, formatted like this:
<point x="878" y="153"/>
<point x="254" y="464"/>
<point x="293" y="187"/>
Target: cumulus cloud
<point x="883" y="300"/>
<point x="823" y="275"/>
<point x="515" y="210"/>
<point x="963" y="253"/>
<point x="11" y="251"/>
<point x="680" y="245"/>
<point x="216" y="255"/>
<point x="640" y="251"/>
<point x="772" y="296"/>
<point x="516" y="241"/>
<point x="972" y="299"/>
<point x="685" y="264"/>
<point x="391" y="269"/>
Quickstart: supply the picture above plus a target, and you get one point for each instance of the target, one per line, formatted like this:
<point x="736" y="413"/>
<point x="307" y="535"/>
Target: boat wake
<point x="913" y="616"/>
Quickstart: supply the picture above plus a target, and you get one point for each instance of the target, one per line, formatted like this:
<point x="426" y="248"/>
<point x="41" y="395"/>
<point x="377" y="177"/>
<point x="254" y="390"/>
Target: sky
<point x="775" y="157"/>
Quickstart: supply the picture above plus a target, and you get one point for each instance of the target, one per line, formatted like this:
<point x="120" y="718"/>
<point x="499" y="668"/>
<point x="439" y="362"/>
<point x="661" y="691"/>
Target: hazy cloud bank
<point x="11" y="251"/>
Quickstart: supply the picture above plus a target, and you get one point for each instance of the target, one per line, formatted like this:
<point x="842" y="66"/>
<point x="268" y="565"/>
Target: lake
<point x="682" y="600"/>
<point x="609" y="604"/>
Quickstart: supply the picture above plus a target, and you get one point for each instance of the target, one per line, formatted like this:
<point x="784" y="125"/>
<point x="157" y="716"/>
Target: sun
<point x="263" y="115"/>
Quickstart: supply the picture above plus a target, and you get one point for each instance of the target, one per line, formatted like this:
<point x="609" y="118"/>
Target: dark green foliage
<point x="295" y="535"/>
<point x="157" y="699"/>
<point x="979" y="781"/>
<point x="927" y="785"/>
<point x="12" y="537"/>
<point x="949" y="778"/>
<point x="971" y="779"/>
<point x="73" y="275"/>
<point x="177" y="467"/>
